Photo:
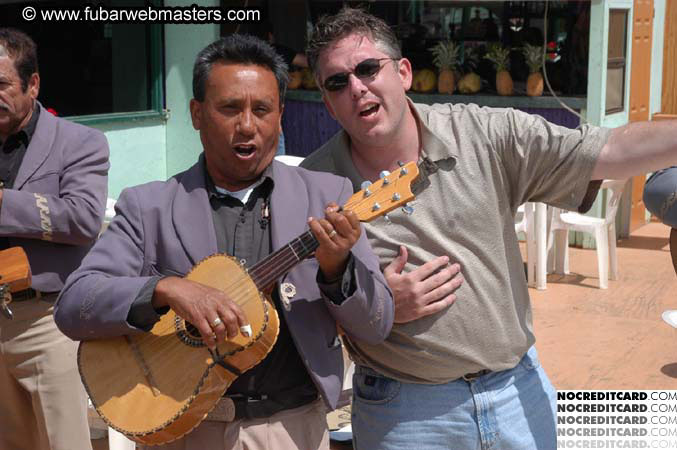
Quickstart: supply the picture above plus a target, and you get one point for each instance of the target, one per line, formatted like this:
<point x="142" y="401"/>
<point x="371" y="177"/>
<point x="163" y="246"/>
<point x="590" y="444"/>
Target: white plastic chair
<point x="670" y="315"/>
<point x="533" y="225"/>
<point x="290" y="160"/>
<point x="109" y="214"/>
<point x="603" y="229"/>
<point x="118" y="441"/>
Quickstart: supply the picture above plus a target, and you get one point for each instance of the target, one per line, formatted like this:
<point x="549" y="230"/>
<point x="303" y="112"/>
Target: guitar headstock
<point x="385" y="194"/>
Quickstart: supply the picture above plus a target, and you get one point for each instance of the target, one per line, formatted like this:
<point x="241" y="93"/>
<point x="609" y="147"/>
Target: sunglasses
<point x="366" y="69"/>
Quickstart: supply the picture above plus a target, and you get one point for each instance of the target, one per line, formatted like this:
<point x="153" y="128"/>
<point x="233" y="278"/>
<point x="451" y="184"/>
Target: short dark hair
<point x="238" y="49"/>
<point x="23" y="51"/>
<point x="351" y="21"/>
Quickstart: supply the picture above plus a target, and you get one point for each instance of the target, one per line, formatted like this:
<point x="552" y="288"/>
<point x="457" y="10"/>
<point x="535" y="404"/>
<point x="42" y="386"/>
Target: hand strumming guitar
<point x="201" y="305"/>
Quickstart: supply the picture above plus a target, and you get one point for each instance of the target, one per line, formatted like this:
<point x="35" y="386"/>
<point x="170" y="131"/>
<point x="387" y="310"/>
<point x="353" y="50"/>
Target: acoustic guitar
<point x="15" y="276"/>
<point x="155" y="387"/>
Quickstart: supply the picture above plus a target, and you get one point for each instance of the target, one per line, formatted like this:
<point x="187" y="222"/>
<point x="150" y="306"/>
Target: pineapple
<point x="424" y="81"/>
<point x="308" y="79"/>
<point x="295" y="79"/>
<point x="534" y="57"/>
<point x="499" y="55"/>
<point x="445" y="55"/>
<point x="470" y="82"/>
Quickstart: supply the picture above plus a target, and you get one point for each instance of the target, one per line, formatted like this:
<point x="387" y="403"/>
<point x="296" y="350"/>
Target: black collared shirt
<point x="243" y="231"/>
<point x="12" y="152"/>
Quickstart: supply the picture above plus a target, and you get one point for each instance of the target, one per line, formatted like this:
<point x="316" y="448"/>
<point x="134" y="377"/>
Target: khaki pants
<point x="43" y="404"/>
<point x="303" y="428"/>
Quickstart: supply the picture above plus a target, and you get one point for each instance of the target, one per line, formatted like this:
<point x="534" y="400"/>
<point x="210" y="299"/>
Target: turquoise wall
<point x="155" y="148"/>
<point x="182" y="43"/>
<point x="137" y="153"/>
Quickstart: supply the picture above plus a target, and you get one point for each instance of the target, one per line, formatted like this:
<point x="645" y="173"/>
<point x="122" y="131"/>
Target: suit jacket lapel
<point x="288" y="206"/>
<point x="40" y="146"/>
<point x="192" y="215"/>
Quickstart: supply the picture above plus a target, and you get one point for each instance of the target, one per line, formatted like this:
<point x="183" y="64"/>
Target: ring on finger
<point x="332" y="233"/>
<point x="216" y="322"/>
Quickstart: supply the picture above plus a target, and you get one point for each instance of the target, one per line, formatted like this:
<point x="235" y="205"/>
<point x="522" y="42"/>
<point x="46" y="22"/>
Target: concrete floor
<point x="590" y="338"/>
<point x="615" y="338"/>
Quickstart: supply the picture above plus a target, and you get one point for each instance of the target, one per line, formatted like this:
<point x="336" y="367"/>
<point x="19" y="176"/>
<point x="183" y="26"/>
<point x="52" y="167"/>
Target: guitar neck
<point x="277" y="264"/>
<point x="379" y="198"/>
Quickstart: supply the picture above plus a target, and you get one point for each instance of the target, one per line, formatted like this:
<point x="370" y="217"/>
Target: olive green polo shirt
<point x="478" y="166"/>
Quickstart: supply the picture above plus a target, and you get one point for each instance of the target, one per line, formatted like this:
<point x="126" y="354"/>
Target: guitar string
<point x="286" y="258"/>
<point x="240" y="291"/>
<point x="359" y="208"/>
<point x="266" y="273"/>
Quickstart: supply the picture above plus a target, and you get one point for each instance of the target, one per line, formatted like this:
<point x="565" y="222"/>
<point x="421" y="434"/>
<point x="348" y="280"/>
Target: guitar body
<point x="15" y="272"/>
<point x="155" y="387"/>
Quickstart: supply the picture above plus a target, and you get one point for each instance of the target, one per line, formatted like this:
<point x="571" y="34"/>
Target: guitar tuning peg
<point x="365" y="187"/>
<point x="383" y="174"/>
<point x="400" y="163"/>
<point x="408" y="210"/>
<point x="387" y="219"/>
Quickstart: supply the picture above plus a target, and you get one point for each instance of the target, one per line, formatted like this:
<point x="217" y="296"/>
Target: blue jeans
<point x="512" y="409"/>
<point x="660" y="195"/>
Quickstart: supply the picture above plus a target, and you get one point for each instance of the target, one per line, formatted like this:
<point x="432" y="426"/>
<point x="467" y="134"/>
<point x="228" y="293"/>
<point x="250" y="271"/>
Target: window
<point x="92" y="68"/>
<point x="616" y="60"/>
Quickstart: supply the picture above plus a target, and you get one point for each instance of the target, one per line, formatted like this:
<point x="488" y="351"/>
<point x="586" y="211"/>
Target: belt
<point x="26" y="294"/>
<point x="473" y="376"/>
<point x="263" y="406"/>
<point x="239" y="406"/>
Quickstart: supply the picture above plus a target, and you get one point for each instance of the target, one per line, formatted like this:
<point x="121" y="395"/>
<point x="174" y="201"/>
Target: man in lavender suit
<point x="53" y="181"/>
<point x="236" y="199"/>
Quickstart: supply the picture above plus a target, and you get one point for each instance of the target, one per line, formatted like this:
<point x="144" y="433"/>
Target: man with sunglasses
<point x="465" y="375"/>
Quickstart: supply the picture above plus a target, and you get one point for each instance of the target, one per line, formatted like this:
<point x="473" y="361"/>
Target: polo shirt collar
<point x="434" y="147"/>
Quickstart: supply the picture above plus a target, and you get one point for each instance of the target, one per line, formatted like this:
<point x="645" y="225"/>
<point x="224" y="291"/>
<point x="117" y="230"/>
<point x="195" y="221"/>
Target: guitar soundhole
<point x="187" y="333"/>
<point x="192" y="331"/>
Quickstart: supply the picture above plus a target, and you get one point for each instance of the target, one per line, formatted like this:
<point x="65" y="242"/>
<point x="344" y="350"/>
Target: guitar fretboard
<point x="283" y="260"/>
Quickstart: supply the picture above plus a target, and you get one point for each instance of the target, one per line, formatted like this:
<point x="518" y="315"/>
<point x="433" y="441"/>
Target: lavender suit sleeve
<point x="74" y="215"/>
<point x="98" y="296"/>
<point x="368" y="312"/>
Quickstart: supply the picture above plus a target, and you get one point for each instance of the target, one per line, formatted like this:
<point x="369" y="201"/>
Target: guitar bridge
<point x="219" y="359"/>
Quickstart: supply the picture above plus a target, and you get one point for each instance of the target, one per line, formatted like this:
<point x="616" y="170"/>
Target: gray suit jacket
<point x="55" y="209"/>
<point x="165" y="228"/>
